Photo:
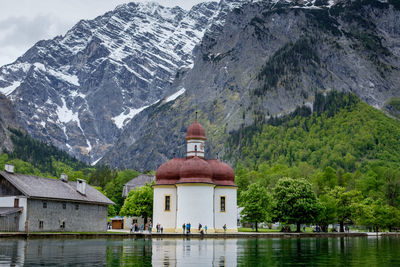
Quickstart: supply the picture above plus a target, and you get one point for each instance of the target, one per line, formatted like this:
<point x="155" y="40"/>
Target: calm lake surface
<point x="355" y="251"/>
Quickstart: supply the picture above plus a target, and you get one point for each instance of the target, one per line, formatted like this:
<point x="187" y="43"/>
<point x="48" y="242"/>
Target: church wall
<point x="191" y="148"/>
<point x="229" y="217"/>
<point x="195" y="205"/>
<point x="166" y="218"/>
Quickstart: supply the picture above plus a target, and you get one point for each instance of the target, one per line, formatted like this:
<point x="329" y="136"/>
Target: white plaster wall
<point x="228" y="217"/>
<point x="195" y="252"/>
<point x="164" y="252"/>
<point x="225" y="252"/>
<point x="190" y="147"/>
<point x="195" y="205"/>
<point x="166" y="218"/>
<point x="9" y="202"/>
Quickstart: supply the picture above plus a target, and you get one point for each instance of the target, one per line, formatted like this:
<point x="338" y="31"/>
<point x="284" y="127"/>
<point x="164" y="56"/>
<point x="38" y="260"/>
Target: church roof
<point x="46" y="188"/>
<point x="196" y="131"/>
<point x="194" y="169"/>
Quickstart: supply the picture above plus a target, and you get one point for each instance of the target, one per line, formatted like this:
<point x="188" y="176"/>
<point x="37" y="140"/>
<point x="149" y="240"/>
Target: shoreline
<point x="196" y="235"/>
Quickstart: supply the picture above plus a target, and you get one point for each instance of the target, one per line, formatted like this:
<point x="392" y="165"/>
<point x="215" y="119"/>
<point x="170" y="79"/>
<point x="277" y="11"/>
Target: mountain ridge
<point x="305" y="50"/>
<point x="79" y="90"/>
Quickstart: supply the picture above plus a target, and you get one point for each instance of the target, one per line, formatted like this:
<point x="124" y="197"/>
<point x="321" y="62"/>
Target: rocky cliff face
<point x="79" y="91"/>
<point x="268" y="58"/>
<point x="8" y="119"/>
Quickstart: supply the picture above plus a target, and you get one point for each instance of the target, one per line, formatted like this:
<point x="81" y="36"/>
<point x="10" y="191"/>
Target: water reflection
<point x="194" y="252"/>
<point x="200" y="252"/>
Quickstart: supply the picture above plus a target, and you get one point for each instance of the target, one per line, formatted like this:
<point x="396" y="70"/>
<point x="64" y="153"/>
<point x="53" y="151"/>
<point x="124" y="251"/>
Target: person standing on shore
<point x="150" y="225"/>
<point x="183" y="228"/>
<point x="205" y="228"/>
<point x="224" y="228"/>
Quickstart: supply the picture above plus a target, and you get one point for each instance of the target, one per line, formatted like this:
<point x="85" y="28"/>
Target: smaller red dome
<point x="195" y="170"/>
<point x="196" y="131"/>
<point x="168" y="172"/>
<point x="223" y="174"/>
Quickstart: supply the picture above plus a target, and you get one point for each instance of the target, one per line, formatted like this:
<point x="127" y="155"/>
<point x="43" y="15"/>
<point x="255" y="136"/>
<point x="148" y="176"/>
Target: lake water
<point x="361" y="251"/>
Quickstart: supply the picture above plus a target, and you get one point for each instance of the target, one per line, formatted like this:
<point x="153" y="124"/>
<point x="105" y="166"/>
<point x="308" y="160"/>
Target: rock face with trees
<point x="346" y="150"/>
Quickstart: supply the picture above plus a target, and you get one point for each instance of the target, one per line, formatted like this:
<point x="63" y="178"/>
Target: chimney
<point x="64" y="177"/>
<point x="9" y="168"/>
<point x="81" y="186"/>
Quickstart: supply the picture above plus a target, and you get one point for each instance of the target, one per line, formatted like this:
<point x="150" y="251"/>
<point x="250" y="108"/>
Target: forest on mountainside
<point x="342" y="147"/>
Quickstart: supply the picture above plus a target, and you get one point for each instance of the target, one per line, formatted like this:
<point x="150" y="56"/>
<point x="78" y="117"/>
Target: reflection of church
<point x="194" y="190"/>
<point x="194" y="252"/>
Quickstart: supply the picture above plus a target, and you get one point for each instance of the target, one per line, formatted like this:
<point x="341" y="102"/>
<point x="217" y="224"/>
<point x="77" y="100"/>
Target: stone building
<point x="195" y="190"/>
<point x="31" y="203"/>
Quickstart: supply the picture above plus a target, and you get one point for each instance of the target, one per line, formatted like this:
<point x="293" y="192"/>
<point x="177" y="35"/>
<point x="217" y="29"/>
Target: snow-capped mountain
<point x="78" y="91"/>
<point x="269" y="58"/>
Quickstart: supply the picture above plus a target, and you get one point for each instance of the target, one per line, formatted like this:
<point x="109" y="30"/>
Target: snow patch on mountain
<point x="72" y="79"/>
<point x="122" y="119"/>
<point x="10" y="89"/>
<point x="175" y="96"/>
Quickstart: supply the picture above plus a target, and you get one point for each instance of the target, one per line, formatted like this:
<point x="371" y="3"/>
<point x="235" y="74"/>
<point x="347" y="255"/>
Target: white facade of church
<point x="196" y="191"/>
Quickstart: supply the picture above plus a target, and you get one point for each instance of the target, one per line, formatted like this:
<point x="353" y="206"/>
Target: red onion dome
<point x="195" y="170"/>
<point x="196" y="131"/>
<point x="168" y="172"/>
<point x="223" y="174"/>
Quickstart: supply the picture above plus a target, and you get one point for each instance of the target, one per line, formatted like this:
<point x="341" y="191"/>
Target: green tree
<point x="256" y="202"/>
<point x="328" y="214"/>
<point x="139" y="202"/>
<point x="348" y="205"/>
<point x="375" y="214"/>
<point x="295" y="202"/>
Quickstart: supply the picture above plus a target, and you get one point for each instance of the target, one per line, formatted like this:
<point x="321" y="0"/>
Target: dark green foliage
<point x="321" y="19"/>
<point x="114" y="187"/>
<point x="102" y="175"/>
<point x="285" y="63"/>
<point x="395" y="4"/>
<point x="302" y="111"/>
<point x="39" y="154"/>
<point x="371" y="42"/>
<point x="321" y="2"/>
<point x="332" y="102"/>
<point x="395" y="103"/>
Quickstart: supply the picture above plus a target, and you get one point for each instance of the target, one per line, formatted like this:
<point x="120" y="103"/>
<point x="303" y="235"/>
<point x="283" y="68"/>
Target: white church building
<point x="195" y="190"/>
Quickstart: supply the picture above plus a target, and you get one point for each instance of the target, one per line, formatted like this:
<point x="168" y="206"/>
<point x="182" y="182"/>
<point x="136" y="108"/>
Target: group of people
<point x="135" y="228"/>
<point x="159" y="228"/>
<point x="186" y="228"/>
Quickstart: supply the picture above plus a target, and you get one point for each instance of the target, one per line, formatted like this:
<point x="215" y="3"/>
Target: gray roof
<point x="138" y="181"/>
<point x="8" y="210"/>
<point x="40" y="187"/>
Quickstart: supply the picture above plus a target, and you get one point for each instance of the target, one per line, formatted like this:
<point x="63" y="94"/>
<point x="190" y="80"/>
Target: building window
<point x="40" y="224"/>
<point x="64" y="206"/>
<point x="222" y="204"/>
<point x="45" y="205"/>
<point x="16" y="202"/>
<point x="77" y="206"/>
<point x="167" y="206"/>
<point x="62" y="225"/>
<point x="134" y="221"/>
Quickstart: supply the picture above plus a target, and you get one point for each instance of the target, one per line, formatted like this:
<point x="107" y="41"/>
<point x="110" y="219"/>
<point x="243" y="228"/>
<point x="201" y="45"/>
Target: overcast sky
<point x="24" y="22"/>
